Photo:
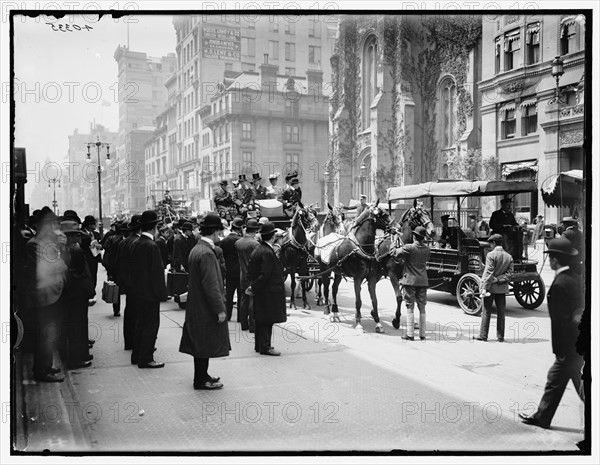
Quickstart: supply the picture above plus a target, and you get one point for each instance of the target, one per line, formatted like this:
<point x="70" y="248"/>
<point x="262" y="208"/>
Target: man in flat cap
<point x="565" y="306"/>
<point x="503" y="222"/>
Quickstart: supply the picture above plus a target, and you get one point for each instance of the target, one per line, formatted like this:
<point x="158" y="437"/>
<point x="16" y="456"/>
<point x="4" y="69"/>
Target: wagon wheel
<point x="468" y="294"/>
<point x="530" y="293"/>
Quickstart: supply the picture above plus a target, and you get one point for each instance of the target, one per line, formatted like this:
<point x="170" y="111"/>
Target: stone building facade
<point x="404" y="101"/>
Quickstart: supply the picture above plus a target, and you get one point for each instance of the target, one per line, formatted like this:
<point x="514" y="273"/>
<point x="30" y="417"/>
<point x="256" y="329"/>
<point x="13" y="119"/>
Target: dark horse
<point x="399" y="235"/>
<point x="356" y="257"/>
<point x="296" y="247"/>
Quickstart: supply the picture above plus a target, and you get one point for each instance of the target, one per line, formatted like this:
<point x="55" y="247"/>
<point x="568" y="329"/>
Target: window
<point x="226" y="132"/>
<point x="528" y="117"/>
<point x="532" y="42"/>
<point x="292" y="133"/>
<point x="508" y="121"/>
<point x="569" y="95"/>
<point x="292" y="160"/>
<point x="246" y="130"/>
<point x="290" y="51"/>
<point x="289" y="28"/>
<point x="274" y="49"/>
<point x="369" y="79"/>
<point x="569" y="37"/>
<point x="498" y="49"/>
<point x="314" y="55"/>
<point x="248" y="46"/>
<point x="448" y="111"/>
<point x="314" y="27"/>
<point x="292" y="108"/>
<point x="512" y="44"/>
<point x="247" y="158"/>
<point x="274" y="24"/>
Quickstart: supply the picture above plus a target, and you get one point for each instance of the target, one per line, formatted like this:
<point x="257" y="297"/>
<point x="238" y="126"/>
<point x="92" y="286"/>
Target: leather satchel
<point x="110" y="292"/>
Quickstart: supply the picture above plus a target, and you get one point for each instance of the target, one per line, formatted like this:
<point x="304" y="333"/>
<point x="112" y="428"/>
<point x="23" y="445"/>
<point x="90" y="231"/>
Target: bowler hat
<point x="70" y="226"/>
<point x="134" y="223"/>
<point x="495" y="238"/>
<point x="267" y="228"/>
<point x="70" y="215"/>
<point x="444" y="217"/>
<point x="212" y="221"/>
<point x="187" y="226"/>
<point x="256" y="177"/>
<point x="420" y="231"/>
<point x="148" y="218"/>
<point x="561" y="246"/>
<point x="505" y="201"/>
<point x="223" y="182"/>
<point x="89" y="219"/>
<point x="252" y="225"/>
<point x="237" y="223"/>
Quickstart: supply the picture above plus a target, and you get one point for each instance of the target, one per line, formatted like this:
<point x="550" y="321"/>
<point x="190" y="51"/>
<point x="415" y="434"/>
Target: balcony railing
<point x="572" y="111"/>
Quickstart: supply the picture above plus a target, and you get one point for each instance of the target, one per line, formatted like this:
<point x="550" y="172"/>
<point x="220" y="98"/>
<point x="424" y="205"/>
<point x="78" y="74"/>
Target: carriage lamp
<point x="557" y="72"/>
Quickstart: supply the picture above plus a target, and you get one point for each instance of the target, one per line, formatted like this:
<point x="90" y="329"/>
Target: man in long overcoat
<point x="205" y="331"/>
<point x="565" y="306"/>
<point x="149" y="289"/>
<point x="232" y="265"/>
<point x="266" y="275"/>
<point x="245" y="246"/>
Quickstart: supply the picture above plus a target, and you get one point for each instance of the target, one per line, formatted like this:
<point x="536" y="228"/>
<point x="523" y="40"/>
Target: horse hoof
<point x="327" y="311"/>
<point x="396" y="323"/>
<point x="359" y="328"/>
<point x="379" y="328"/>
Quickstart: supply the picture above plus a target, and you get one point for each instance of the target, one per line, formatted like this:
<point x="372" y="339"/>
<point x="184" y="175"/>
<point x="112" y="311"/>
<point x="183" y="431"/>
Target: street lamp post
<point x="363" y="170"/>
<point x="54" y="202"/>
<point x="557" y="72"/>
<point x="99" y="145"/>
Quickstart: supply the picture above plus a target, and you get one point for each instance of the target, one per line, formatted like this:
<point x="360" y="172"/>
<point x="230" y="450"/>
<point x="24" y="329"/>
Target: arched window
<point x="448" y="111"/>
<point x="369" y="81"/>
<point x="570" y="30"/>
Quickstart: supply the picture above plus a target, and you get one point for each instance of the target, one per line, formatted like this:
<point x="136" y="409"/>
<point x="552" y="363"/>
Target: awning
<point x="528" y="103"/>
<point x="566" y="190"/>
<point x="508" y="106"/>
<point x="460" y="189"/>
<point x="509" y="168"/>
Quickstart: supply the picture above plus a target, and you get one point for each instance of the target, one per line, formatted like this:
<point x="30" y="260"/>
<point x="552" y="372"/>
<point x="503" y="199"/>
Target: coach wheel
<point x="468" y="294"/>
<point x="530" y="293"/>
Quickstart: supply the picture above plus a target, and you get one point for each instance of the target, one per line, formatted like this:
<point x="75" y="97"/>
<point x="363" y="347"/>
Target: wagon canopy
<point x="566" y="190"/>
<point x="460" y="189"/>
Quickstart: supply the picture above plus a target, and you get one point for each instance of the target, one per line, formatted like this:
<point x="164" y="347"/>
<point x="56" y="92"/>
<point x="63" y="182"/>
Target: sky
<point x="65" y="80"/>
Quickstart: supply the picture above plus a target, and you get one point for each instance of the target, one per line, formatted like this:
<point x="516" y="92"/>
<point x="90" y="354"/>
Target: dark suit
<point x="150" y="290"/>
<point x="164" y="253"/>
<point x="450" y="236"/>
<point x="92" y="261"/>
<point x="232" y="273"/>
<point x="497" y="274"/>
<point x="244" y="247"/>
<point x="290" y="199"/>
<point x="181" y="251"/>
<point x="502" y="223"/>
<point x="565" y="305"/>
<point x="266" y="275"/>
<point x="124" y="275"/>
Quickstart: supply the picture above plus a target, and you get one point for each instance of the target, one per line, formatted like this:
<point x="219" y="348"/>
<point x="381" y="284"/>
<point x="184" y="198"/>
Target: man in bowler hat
<point x="149" y="289"/>
<point x="267" y="287"/>
<point x="565" y="306"/>
<point x="244" y="247"/>
<point x="205" y="332"/>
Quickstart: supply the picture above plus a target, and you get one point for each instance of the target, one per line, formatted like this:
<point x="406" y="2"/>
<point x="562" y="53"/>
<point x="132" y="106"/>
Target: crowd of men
<point x="242" y="199"/>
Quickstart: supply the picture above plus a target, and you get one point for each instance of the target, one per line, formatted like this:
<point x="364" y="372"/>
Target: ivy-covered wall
<point x="414" y="52"/>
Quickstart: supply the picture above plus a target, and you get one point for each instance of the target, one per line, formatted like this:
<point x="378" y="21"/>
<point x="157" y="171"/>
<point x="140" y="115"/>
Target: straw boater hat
<point x="273" y="176"/>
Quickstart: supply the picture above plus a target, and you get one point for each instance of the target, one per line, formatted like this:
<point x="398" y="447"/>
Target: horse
<point x="330" y="232"/>
<point x="296" y="247"/>
<point x="356" y="257"/>
<point x="400" y="234"/>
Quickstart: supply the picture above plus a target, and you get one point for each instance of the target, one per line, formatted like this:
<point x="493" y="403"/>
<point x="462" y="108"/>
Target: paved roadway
<point x="332" y="389"/>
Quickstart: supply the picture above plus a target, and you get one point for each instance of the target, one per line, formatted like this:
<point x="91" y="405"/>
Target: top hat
<point x="211" y="220"/>
<point x="561" y="246"/>
<point x="237" y="223"/>
<point x="294" y="181"/>
<point x="496" y="238"/>
<point x="505" y="201"/>
<point x="444" y="217"/>
<point x="267" y="228"/>
<point x="256" y="177"/>
<point x="242" y="178"/>
<point x="273" y="176"/>
<point x="291" y="175"/>
<point x="252" y="225"/>
<point x="223" y="182"/>
<point x="134" y="223"/>
<point x="420" y="231"/>
<point x="148" y="218"/>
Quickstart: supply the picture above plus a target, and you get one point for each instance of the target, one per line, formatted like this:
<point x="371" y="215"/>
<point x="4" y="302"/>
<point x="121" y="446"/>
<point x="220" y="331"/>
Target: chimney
<point x="314" y="81"/>
<point x="268" y="75"/>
